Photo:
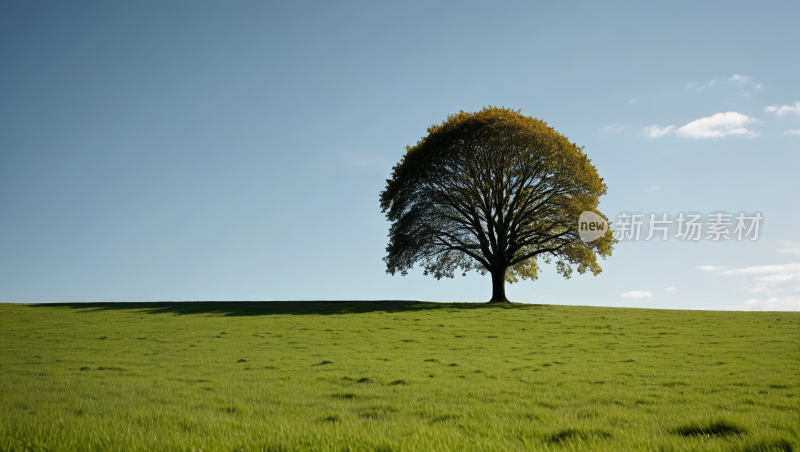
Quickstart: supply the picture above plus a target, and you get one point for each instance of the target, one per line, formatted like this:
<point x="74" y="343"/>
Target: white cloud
<point x="773" y="280"/>
<point x="764" y="269"/>
<point x="792" y="132"/>
<point x="655" y="131"/>
<point x="655" y="187"/>
<point x="633" y="101"/>
<point x="789" y="248"/>
<point x="781" y="110"/>
<point x="612" y="129"/>
<point x="705" y="85"/>
<point x="740" y="78"/>
<point x="745" y="80"/>
<point x="637" y="294"/>
<point x="709" y="268"/>
<point x="719" y="125"/>
<point x="670" y="289"/>
<point x="778" y="285"/>
<point x="772" y="304"/>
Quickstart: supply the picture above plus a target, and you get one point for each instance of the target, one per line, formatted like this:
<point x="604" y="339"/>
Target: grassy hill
<point x="395" y="376"/>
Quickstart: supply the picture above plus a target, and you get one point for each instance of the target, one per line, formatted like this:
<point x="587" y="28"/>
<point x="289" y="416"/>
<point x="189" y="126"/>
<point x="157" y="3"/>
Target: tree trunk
<point x="499" y="287"/>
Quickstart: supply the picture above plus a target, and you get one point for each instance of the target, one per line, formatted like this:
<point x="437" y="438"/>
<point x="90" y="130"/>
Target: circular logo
<point x="591" y="226"/>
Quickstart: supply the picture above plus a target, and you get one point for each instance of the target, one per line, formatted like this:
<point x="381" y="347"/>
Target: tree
<point x="492" y="191"/>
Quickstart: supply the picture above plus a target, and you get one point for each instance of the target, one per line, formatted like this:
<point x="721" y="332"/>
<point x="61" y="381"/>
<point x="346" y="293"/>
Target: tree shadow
<point x="250" y="308"/>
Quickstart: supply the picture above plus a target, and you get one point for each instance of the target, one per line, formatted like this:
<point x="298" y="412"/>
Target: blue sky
<point x="208" y="151"/>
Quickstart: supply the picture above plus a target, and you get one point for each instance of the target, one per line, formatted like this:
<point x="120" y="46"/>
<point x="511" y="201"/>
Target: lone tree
<point x="492" y="191"/>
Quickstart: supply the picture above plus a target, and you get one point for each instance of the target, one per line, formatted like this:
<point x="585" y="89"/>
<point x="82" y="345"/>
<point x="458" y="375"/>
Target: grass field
<point x="395" y="376"/>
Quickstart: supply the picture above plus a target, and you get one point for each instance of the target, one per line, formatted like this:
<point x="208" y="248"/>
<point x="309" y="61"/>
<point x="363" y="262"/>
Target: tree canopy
<point x="492" y="191"/>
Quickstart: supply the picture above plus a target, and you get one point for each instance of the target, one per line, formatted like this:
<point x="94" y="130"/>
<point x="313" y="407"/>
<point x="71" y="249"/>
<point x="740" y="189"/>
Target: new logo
<point x="591" y="226"/>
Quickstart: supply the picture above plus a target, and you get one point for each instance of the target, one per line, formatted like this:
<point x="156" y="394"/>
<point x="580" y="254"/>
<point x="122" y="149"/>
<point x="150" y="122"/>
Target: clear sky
<point x="183" y="150"/>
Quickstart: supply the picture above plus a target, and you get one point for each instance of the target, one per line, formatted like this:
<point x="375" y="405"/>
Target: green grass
<point x="395" y="376"/>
